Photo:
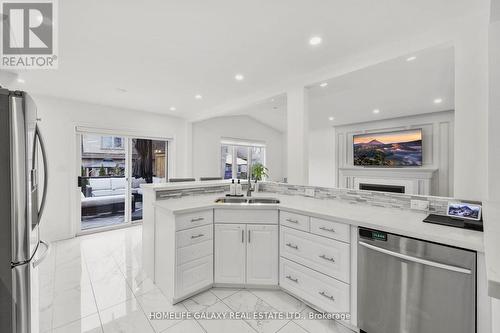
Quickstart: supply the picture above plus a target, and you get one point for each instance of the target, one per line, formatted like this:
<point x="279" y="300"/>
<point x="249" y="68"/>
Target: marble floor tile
<point x="224" y="326"/>
<point x="292" y="327"/>
<point x="245" y="301"/>
<point x="111" y="291"/>
<point x="200" y="302"/>
<point x="90" y="324"/>
<point x="73" y="304"/>
<point x="185" y="326"/>
<point x="280" y="300"/>
<point x="222" y="293"/>
<point x="155" y="301"/>
<point x="321" y="326"/>
<point x="126" y="317"/>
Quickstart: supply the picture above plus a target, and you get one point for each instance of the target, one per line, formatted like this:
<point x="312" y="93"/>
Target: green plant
<point x="259" y="171"/>
<point x="102" y="171"/>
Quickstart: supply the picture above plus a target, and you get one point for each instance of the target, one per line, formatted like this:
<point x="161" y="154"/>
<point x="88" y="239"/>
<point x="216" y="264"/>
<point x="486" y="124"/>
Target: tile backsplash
<point x="437" y="205"/>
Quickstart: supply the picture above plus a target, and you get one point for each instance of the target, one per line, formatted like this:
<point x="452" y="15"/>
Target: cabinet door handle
<point x="324" y="294"/>
<point x="197" y="236"/>
<point x="296" y="247"/>
<point x="323" y="256"/>
<point x="292" y="279"/>
<point x="197" y="219"/>
<point x="326" y="229"/>
<point x="292" y="220"/>
<point x="243" y="236"/>
<point x="249" y="236"/>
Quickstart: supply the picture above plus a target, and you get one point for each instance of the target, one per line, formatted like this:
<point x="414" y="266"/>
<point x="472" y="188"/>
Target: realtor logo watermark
<point x="29" y="34"/>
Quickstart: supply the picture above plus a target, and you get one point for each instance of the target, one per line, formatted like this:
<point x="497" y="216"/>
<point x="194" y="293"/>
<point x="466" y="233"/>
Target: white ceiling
<point x="164" y="52"/>
<point x="397" y="88"/>
<point x="271" y="112"/>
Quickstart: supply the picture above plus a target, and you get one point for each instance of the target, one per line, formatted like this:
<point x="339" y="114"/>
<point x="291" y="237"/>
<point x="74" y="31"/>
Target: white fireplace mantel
<point x="415" y="180"/>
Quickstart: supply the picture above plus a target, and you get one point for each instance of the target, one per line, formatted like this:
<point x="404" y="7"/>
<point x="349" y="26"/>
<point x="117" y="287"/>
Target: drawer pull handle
<point x="326" y="258"/>
<point x="322" y="293"/>
<point x="292" y="246"/>
<point x="292" y="220"/>
<point x="197" y="219"/>
<point x="326" y="229"/>
<point x="197" y="236"/>
<point x="292" y="279"/>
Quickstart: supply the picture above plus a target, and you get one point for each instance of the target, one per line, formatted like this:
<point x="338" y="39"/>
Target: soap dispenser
<point x="232" y="188"/>
<point x="239" y="189"/>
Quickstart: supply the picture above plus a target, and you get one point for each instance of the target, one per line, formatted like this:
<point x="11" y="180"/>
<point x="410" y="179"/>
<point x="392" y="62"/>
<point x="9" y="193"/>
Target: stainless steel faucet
<point x="249" y="189"/>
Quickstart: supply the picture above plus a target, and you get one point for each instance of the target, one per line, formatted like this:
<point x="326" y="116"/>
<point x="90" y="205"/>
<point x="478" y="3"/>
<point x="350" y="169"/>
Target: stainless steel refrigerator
<point x="23" y="188"/>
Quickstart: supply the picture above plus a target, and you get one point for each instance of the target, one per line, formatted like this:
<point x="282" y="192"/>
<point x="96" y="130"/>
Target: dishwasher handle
<point x="416" y="260"/>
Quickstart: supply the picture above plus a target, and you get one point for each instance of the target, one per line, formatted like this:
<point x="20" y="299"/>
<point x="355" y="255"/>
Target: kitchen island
<point x="303" y="245"/>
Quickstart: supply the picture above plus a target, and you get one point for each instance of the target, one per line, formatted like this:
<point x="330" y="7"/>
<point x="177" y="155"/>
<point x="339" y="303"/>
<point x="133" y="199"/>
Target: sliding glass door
<point x="149" y="165"/>
<point x="112" y="169"/>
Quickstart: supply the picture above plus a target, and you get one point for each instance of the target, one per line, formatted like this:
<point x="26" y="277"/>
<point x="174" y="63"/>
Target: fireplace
<point x="382" y="188"/>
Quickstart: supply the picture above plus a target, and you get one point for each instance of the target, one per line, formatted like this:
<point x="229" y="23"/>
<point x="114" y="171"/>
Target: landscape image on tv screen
<point x="389" y="149"/>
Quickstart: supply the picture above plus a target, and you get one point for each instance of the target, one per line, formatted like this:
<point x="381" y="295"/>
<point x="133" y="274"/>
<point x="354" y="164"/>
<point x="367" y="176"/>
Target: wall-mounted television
<point x="388" y="149"/>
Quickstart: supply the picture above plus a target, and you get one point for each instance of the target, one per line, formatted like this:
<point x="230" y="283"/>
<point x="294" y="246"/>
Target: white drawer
<point x="195" y="219"/>
<point x="252" y="216"/>
<point x="323" y="291"/>
<point x="322" y="254"/>
<point x="294" y="220"/>
<point x="194" y="235"/>
<point x="195" y="251"/>
<point x="193" y="276"/>
<point x="331" y="229"/>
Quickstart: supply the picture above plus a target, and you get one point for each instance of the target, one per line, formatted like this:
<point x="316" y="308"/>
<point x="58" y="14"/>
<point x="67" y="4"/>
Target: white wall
<point x="494" y="114"/>
<point x="494" y="132"/>
<point x="471" y="110"/>
<point x="59" y="118"/>
<point x="207" y="136"/>
<point x="322" y="157"/>
<point x="437" y="144"/>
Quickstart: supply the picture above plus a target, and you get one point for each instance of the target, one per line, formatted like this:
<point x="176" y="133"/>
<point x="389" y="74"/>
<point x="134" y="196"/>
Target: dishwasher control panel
<point x="372" y="234"/>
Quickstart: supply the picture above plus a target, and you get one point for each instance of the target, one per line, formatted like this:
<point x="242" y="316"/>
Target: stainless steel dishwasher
<point x="407" y="285"/>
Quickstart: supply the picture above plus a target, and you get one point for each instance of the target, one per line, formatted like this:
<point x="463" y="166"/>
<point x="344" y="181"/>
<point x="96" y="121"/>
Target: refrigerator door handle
<point x="42" y="257"/>
<point x="39" y="137"/>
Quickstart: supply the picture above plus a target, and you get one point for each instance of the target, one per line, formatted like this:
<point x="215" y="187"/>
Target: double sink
<point x="241" y="201"/>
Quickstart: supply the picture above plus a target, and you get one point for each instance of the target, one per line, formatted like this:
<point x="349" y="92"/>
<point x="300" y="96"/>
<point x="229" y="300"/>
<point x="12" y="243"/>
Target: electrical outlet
<point x="419" y="204"/>
<point x="309" y="192"/>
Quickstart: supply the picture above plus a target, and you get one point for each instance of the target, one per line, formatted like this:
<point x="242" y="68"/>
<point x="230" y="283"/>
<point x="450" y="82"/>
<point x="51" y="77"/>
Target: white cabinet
<point x="194" y="276"/>
<point x="262" y="254"/>
<point x="183" y="253"/>
<point x="230" y="253"/>
<point x="246" y="254"/>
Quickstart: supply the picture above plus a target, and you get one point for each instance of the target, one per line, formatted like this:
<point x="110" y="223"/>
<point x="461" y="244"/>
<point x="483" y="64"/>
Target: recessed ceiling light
<point x="272" y="99"/>
<point x="172" y="108"/>
<point x="324" y="84"/>
<point x="315" y="40"/>
<point x="20" y="80"/>
<point x="123" y="90"/>
<point x="331" y="118"/>
<point x="376" y="111"/>
<point x="275" y="108"/>
<point x="239" y="77"/>
<point x="411" y="58"/>
<point x="438" y="100"/>
<point x="198" y="96"/>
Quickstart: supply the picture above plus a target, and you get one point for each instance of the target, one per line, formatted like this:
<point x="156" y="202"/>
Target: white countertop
<point x="408" y="223"/>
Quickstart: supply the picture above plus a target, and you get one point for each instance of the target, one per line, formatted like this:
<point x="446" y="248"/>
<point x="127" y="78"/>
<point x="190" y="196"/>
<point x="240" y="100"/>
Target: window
<point x="237" y="158"/>
<point x="112" y="142"/>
